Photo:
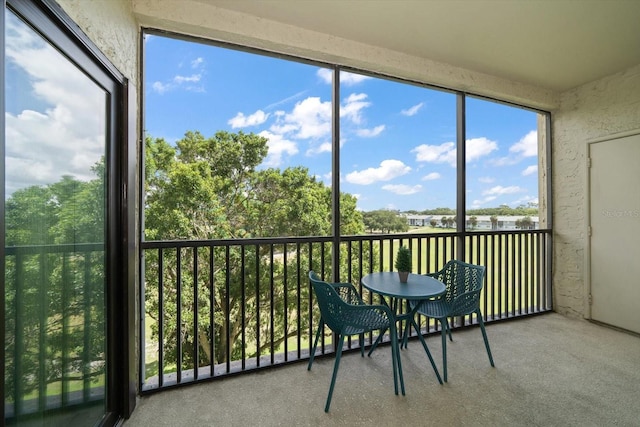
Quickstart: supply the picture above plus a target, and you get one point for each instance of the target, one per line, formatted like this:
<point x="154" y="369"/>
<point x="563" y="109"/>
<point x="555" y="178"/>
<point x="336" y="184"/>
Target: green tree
<point x="494" y="222"/>
<point x="439" y="211"/>
<point x="213" y="188"/>
<point x="525" y="223"/>
<point x="473" y="222"/>
<point x="59" y="293"/>
<point x="385" y="221"/>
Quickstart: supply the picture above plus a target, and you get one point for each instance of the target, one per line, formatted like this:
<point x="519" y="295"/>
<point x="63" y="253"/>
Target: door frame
<point x="587" y="231"/>
<point x="51" y="22"/>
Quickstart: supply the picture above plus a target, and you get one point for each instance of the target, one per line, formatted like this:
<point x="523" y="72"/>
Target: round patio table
<point x="418" y="287"/>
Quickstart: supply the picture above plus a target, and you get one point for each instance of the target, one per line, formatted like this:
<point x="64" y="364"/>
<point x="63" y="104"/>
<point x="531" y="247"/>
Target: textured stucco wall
<point x="605" y="107"/>
<point x="111" y="26"/>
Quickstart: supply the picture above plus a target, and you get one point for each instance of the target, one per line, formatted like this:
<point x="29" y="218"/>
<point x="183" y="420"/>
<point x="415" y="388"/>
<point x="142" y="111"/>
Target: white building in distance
<point x="504" y="222"/>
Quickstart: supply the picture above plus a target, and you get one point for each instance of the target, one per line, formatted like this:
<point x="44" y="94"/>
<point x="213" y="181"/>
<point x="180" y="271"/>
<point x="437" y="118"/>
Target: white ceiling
<point x="551" y="44"/>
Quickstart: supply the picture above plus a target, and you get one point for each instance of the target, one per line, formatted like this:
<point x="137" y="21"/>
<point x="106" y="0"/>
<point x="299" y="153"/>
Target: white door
<point x="614" y="212"/>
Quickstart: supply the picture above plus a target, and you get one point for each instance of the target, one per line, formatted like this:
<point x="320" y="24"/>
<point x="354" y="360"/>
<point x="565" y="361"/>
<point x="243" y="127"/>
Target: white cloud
<point x="504" y="161"/>
<point x="493" y="193"/>
<point x="479" y="147"/>
<point x="324" y="147"/>
<point x="197" y="62"/>
<point x="402" y="189"/>
<point x="350" y="79"/>
<point x="480" y="202"/>
<point x="240" y="120"/>
<point x="370" y="133"/>
<point x="530" y="170"/>
<point x="278" y="148"/>
<point x="486" y="179"/>
<point x="60" y="130"/>
<point x="283" y="128"/>
<point x="447" y="152"/>
<point x="412" y="111"/>
<point x="527" y="146"/>
<point x="500" y="190"/>
<point x="325" y="75"/>
<point x="194" y="78"/>
<point x="388" y="170"/>
<point x="431" y="176"/>
<point x="310" y="118"/>
<point x="443" y="153"/>
<point x="189" y="83"/>
<point x="524" y="201"/>
<point x="353" y="106"/>
<point x="346" y="78"/>
<point x="159" y="87"/>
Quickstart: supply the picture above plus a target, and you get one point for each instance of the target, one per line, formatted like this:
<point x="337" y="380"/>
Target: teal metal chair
<point x="346" y="319"/>
<point x="463" y="283"/>
<point x="350" y="295"/>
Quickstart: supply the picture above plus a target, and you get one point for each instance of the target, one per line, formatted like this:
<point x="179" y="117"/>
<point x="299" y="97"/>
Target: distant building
<point x="506" y="222"/>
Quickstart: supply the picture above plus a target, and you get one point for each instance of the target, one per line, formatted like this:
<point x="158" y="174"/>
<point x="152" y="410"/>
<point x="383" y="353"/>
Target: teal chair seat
<point x="463" y="283"/>
<point x="346" y="319"/>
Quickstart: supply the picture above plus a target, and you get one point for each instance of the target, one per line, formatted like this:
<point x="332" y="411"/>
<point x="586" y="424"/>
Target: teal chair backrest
<point x="329" y="302"/>
<point x="463" y="284"/>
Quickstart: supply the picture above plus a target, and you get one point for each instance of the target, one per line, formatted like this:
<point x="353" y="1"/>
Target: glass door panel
<point x="55" y="228"/>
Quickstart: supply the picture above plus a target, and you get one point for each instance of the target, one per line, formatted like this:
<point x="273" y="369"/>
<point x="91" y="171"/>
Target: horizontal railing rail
<point x="213" y="308"/>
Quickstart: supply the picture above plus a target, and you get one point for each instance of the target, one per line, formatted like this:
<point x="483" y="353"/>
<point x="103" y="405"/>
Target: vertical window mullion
<point x="461" y="200"/>
<point x="335" y="173"/>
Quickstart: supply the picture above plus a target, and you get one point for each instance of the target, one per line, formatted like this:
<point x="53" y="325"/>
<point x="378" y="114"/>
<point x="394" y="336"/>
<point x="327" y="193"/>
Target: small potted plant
<point x="403" y="263"/>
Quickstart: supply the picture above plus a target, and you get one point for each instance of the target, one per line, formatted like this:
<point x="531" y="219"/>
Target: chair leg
<point x="361" y="341"/>
<point x="377" y="341"/>
<point x="449" y="330"/>
<point x="484" y="335"/>
<point x="335" y="372"/>
<point x="315" y="344"/>
<point x="426" y="349"/>
<point x="444" y="326"/>
<point x="395" y="360"/>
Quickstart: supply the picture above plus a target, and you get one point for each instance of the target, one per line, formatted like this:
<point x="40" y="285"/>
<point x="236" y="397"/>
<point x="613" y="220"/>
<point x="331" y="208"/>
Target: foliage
<point x="54" y="284"/>
<point x="448" y="222"/>
<point x="439" y="211"/>
<point x="213" y="188"/>
<point x="385" y="221"/>
<point x="530" y="209"/>
<point x="403" y="259"/>
<point x="525" y="223"/>
<point x="473" y="221"/>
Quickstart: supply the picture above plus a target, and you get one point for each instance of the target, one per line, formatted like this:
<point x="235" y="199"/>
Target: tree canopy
<point x="385" y="221"/>
<point x="215" y="188"/>
<point x="212" y="188"/>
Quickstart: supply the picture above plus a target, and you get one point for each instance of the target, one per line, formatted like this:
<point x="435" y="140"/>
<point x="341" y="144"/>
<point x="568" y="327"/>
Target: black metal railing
<point x="222" y="307"/>
<point x="54" y="328"/>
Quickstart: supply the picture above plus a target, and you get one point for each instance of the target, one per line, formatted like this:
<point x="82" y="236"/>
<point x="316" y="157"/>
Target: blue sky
<point x="397" y="140"/>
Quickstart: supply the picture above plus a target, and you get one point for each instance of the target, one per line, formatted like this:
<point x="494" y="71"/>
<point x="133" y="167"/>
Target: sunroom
<point x="173" y="170"/>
